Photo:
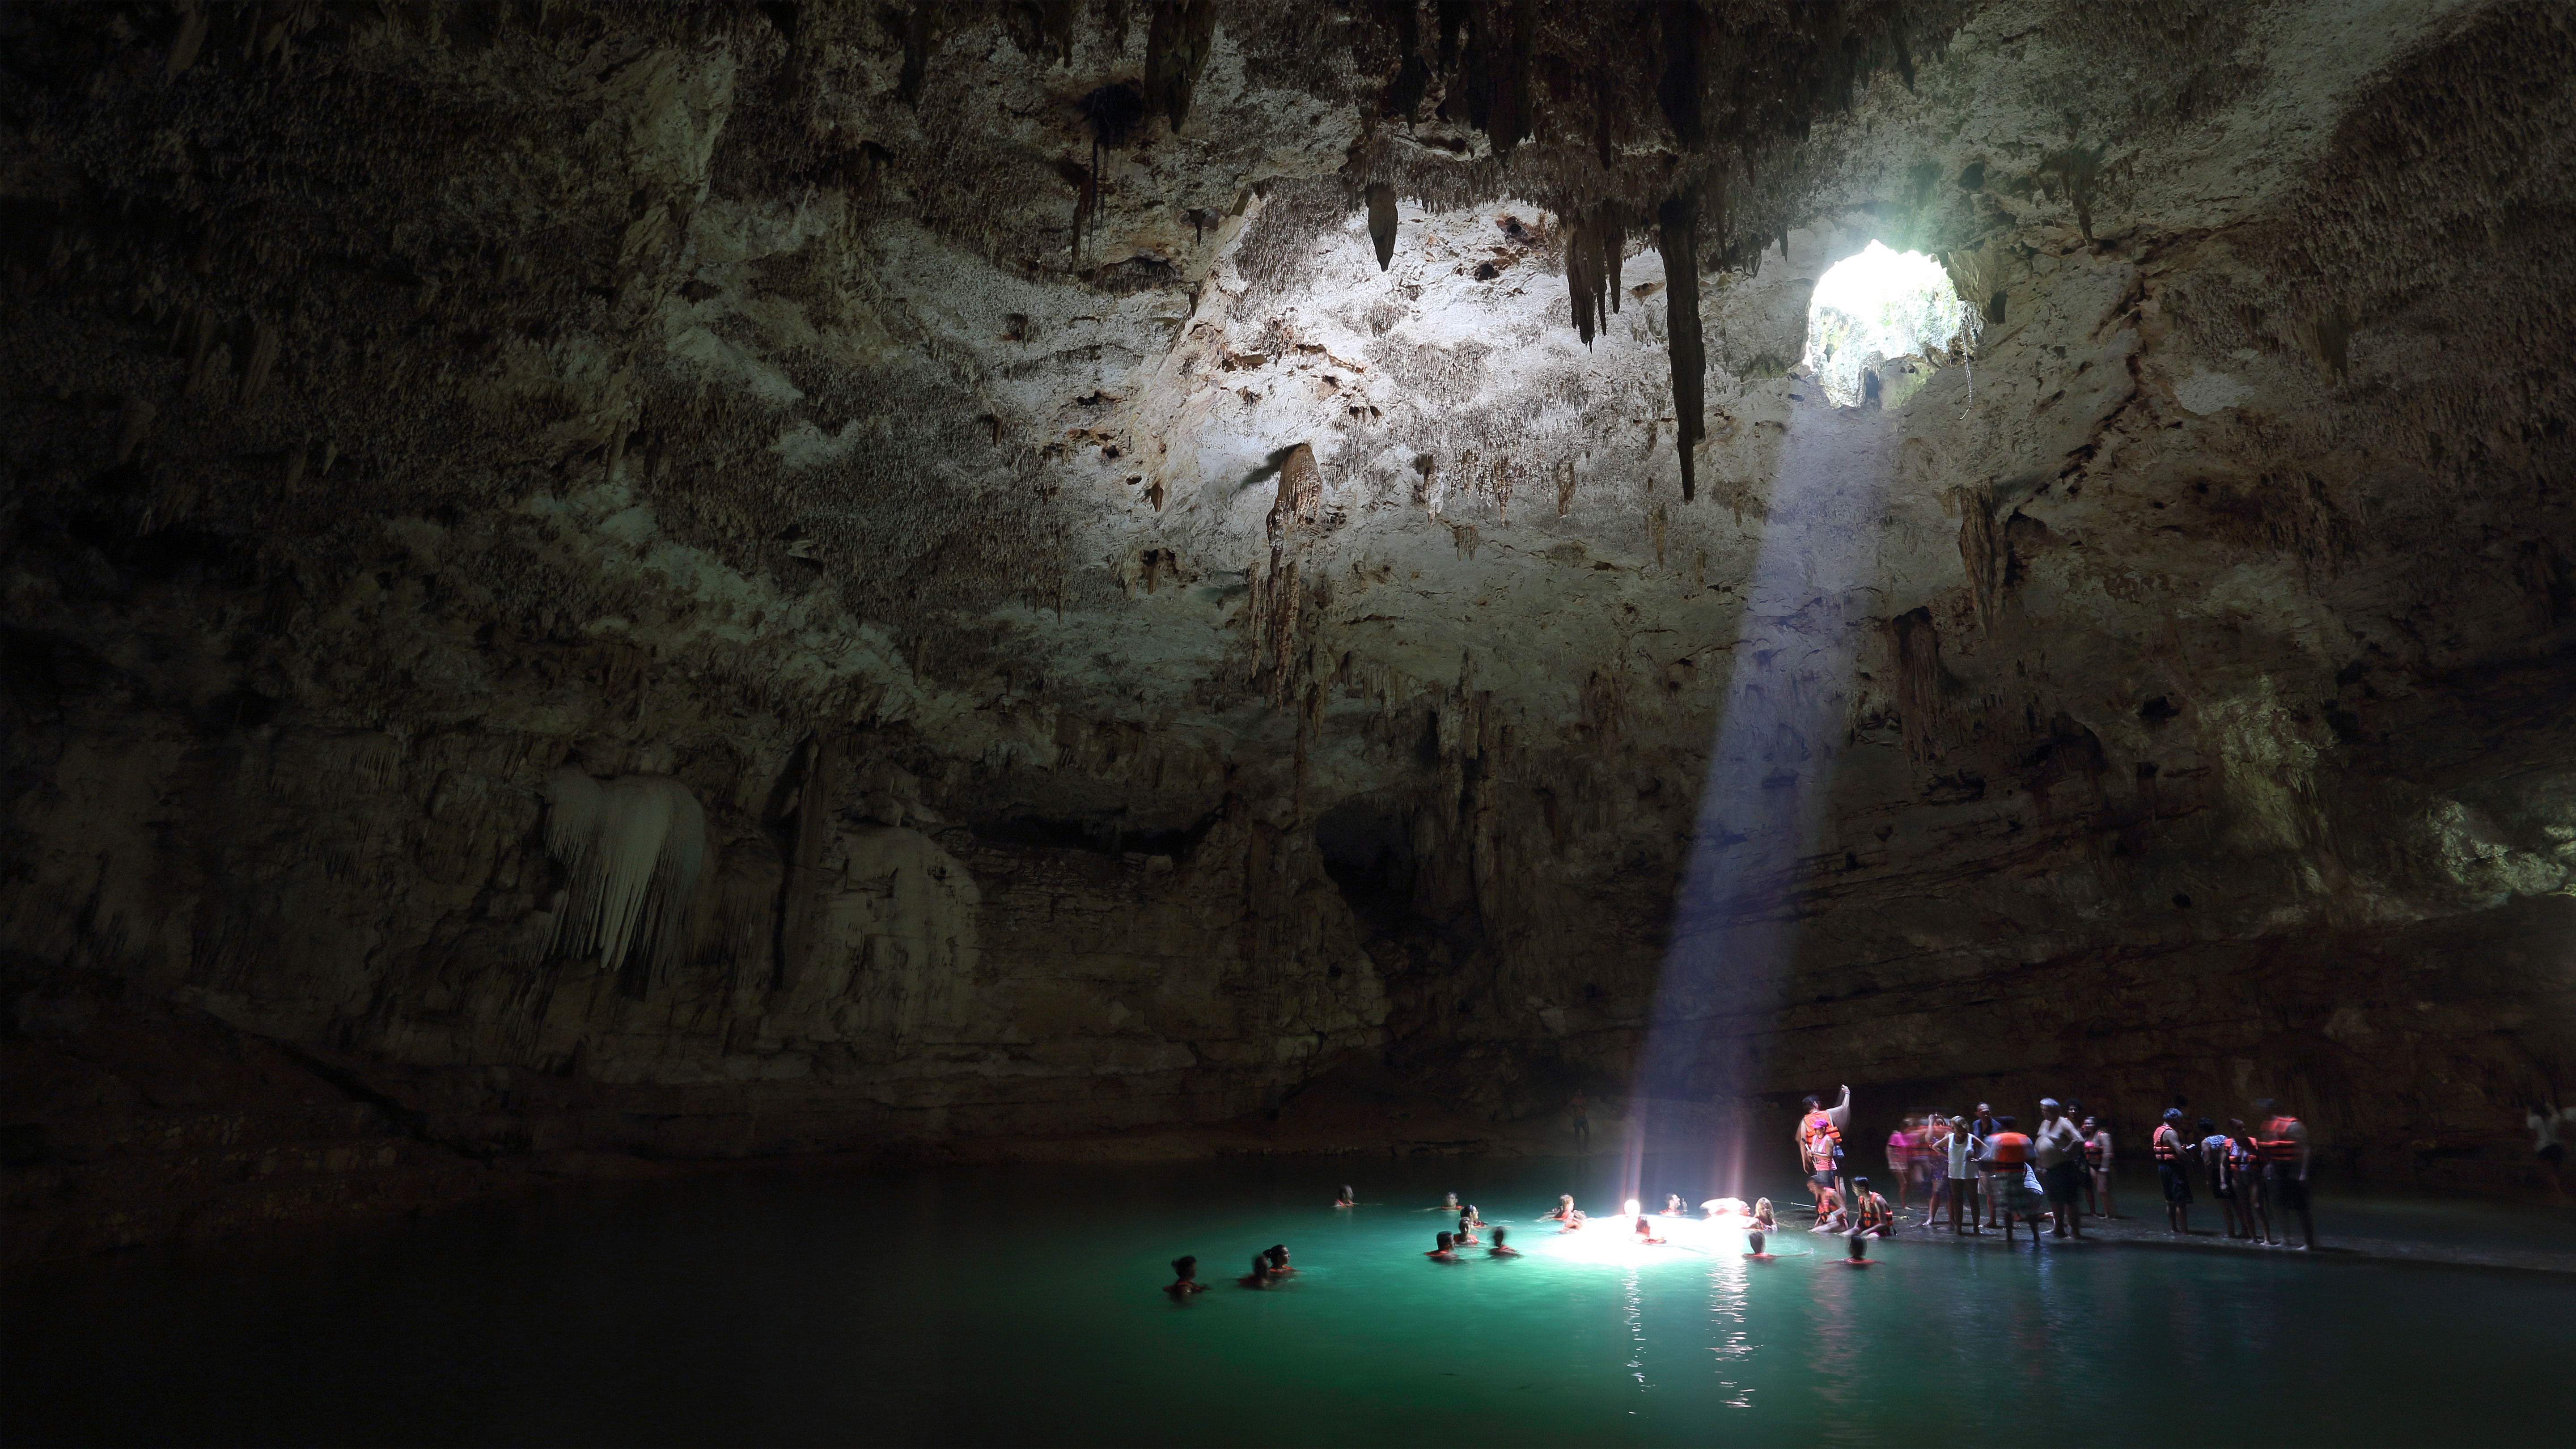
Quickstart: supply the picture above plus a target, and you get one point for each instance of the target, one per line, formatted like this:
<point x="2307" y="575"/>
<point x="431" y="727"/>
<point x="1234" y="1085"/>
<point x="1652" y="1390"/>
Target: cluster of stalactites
<point x="1593" y="240"/>
<point x="1713" y="82"/>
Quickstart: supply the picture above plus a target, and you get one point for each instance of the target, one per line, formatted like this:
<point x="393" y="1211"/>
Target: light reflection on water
<point x="1023" y="1306"/>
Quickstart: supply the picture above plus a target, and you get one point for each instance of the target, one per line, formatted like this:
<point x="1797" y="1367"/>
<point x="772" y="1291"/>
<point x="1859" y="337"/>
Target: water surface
<point x="1023" y="1305"/>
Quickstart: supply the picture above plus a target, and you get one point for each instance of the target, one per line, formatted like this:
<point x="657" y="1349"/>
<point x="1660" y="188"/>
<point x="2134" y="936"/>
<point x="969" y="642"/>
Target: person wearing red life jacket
<point x="2282" y="1142"/>
<point x="1820" y="1143"/>
<point x="2168" y="1148"/>
<point x="2008" y="1156"/>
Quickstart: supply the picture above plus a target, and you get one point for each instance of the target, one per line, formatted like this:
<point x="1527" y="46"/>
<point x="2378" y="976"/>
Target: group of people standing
<point x="2253" y="1173"/>
<point x="2060" y="1171"/>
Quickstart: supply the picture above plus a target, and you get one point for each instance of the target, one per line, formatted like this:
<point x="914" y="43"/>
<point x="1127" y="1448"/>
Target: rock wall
<point x="1151" y="613"/>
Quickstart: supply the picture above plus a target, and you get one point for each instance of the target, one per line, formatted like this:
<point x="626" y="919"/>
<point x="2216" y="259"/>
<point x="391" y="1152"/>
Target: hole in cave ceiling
<point x="1875" y="308"/>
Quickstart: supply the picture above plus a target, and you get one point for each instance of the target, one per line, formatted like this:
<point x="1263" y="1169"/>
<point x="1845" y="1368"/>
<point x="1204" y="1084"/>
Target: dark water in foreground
<point x="1021" y="1305"/>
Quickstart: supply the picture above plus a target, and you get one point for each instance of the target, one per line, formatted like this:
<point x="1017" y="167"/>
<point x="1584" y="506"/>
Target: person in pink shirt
<point x="1900" y="1158"/>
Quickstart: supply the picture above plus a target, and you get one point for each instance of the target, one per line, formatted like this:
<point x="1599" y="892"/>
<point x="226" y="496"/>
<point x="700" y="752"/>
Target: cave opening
<point x="1876" y="321"/>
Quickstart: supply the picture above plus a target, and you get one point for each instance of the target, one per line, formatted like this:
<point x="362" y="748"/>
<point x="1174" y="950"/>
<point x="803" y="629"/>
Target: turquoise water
<point x="1023" y="1305"/>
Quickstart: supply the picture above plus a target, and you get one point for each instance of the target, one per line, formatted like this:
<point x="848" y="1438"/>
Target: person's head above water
<point x="1447" y="1241"/>
<point x="1756" y="1239"/>
<point x="1451" y="1199"/>
<point x="1277" y="1254"/>
<point x="1185" y="1268"/>
<point x="1260" y="1273"/>
<point x="1500" y="1234"/>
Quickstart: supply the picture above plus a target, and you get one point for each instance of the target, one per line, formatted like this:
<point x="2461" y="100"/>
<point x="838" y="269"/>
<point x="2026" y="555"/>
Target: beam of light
<point x="1755" y="847"/>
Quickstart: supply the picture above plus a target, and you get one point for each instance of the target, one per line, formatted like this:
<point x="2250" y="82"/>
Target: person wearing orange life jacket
<point x="2282" y="1143"/>
<point x="1820" y="1143"/>
<point x="1869" y="1214"/>
<point x="2008" y="1155"/>
<point x="2168" y="1147"/>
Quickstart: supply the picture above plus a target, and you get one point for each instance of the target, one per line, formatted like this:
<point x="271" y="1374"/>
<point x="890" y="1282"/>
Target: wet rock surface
<point x="1082" y="614"/>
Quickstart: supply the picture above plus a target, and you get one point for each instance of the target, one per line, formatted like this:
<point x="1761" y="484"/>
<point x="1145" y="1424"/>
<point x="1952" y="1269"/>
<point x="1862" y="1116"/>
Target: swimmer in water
<point x="1346" y="1200"/>
<point x="1754" y="1239"/>
<point x="1573" y="1222"/>
<point x="1448" y="1204"/>
<point x="1466" y="1237"/>
<point x="1673" y="1205"/>
<point x="1859" y="1251"/>
<point x="1185" y="1278"/>
<point x="1259" y="1277"/>
<point x="1646" y="1230"/>
<point x="1498" y="1250"/>
<point x="1446" y="1251"/>
<point x="1277" y="1256"/>
<point x="1472" y="1215"/>
<point x="1564" y="1209"/>
<point x="1762" y="1216"/>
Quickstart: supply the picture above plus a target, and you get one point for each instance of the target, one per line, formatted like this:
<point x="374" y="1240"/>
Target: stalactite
<point x="1918" y="682"/>
<point x="1982" y="551"/>
<point x="1176" y="50"/>
<point x="1676" y="237"/>
<point x="798" y="922"/>
<point x="1679" y="89"/>
<point x="1593" y="240"/>
<point x="633" y="848"/>
<point x="1381" y="222"/>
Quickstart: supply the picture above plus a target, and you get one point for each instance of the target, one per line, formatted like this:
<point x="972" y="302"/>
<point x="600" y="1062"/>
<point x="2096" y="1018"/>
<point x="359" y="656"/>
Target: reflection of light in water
<point x="1636" y="1333"/>
<point x="1613" y="1241"/>
<point x="1733" y="1348"/>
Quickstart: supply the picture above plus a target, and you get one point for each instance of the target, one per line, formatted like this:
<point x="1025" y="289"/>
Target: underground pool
<point x="1025" y="1305"/>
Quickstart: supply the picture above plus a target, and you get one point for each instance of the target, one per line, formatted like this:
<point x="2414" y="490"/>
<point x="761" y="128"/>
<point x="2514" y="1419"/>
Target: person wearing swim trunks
<point x="2284" y="1144"/>
<point x="2008" y="1156"/>
<point x="1984" y="1127"/>
<point x="2059" y="1154"/>
<point x="2167" y="1146"/>
<point x="1820" y="1143"/>
<point x="2245" y="1165"/>
<point x="1960" y="1150"/>
<point x="2217" y="1164"/>
<point x="2097" y="1160"/>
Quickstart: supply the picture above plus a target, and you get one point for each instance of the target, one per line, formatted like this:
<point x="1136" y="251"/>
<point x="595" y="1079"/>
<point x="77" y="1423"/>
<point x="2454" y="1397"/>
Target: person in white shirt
<point x="2545" y="1123"/>
<point x="1960" y="1150"/>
